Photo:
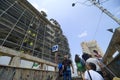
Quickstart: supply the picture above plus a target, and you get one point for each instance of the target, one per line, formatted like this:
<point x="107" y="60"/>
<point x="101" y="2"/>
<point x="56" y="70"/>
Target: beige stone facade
<point x="88" y="47"/>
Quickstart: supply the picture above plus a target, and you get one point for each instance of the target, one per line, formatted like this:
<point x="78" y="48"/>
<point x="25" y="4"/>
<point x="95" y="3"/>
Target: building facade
<point x="25" y="29"/>
<point x="91" y="47"/>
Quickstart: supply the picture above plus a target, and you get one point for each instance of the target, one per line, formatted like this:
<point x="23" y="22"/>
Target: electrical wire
<point x="84" y="3"/>
<point x="103" y="1"/>
<point x="98" y="25"/>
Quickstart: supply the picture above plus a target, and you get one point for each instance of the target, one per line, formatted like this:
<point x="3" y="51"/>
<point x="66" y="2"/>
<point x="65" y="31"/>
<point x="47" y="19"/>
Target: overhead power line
<point x="101" y="2"/>
<point x="98" y="25"/>
<point x="94" y="2"/>
<point x="83" y="3"/>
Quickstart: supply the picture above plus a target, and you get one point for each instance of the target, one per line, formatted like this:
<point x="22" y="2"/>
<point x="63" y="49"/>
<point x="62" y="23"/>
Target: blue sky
<point x="81" y="23"/>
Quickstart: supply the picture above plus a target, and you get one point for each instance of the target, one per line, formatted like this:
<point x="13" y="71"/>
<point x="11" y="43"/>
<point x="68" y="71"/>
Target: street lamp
<point x="73" y="4"/>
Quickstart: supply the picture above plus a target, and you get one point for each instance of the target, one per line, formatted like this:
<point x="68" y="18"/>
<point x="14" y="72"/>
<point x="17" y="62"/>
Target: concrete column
<point x="56" y="69"/>
<point x="15" y="61"/>
<point x="41" y="66"/>
<point x="44" y="67"/>
<point x="56" y="57"/>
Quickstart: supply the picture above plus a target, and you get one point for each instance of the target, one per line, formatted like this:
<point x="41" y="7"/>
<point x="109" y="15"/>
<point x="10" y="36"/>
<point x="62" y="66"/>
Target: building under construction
<point x="25" y="29"/>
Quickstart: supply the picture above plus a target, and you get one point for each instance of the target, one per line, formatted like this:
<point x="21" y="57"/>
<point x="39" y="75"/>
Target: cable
<point x="98" y="25"/>
<point x="103" y="1"/>
<point x="83" y="3"/>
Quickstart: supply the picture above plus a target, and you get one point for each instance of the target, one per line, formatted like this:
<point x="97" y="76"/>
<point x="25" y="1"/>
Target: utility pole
<point x="94" y="2"/>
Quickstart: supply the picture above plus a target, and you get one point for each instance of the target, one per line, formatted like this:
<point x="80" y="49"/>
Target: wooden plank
<point x="14" y="73"/>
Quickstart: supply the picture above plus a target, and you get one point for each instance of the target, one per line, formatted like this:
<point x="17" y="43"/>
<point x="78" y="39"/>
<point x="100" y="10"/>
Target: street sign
<point x="55" y="48"/>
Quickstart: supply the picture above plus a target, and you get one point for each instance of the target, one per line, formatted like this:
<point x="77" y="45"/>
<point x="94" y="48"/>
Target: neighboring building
<point x="90" y="47"/>
<point x="25" y="29"/>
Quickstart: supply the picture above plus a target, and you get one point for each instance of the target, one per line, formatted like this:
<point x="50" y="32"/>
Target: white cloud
<point x="83" y="34"/>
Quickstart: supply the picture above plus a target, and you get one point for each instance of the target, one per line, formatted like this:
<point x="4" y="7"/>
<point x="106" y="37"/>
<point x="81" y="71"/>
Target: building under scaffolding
<point x="25" y="29"/>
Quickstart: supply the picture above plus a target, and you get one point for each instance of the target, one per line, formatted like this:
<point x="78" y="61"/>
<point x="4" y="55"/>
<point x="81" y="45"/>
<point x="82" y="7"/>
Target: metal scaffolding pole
<point x="44" y="41"/>
<point x="8" y="8"/>
<point x="26" y="32"/>
<point x="36" y="39"/>
<point x="105" y="11"/>
<point x="13" y="27"/>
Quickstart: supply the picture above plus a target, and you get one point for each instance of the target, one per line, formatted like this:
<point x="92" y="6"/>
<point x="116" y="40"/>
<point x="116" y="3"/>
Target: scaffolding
<point x="24" y="29"/>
